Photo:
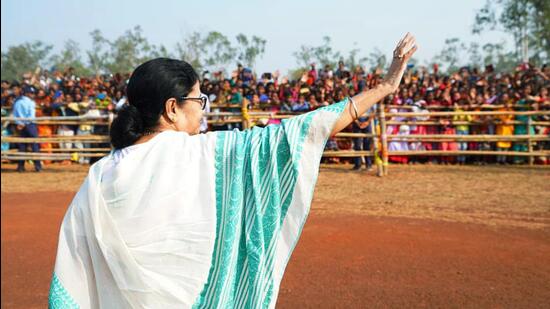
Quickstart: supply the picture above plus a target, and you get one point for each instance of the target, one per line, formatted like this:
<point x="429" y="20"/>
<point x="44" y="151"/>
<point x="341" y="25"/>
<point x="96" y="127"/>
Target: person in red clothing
<point x="431" y="102"/>
<point x="312" y="75"/>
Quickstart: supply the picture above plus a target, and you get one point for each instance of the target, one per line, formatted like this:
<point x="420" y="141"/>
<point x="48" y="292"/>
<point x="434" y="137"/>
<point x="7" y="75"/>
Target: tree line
<point x="528" y="22"/>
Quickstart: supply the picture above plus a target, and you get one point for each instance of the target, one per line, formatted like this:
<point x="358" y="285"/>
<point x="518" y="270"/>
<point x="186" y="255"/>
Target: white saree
<point x="203" y="221"/>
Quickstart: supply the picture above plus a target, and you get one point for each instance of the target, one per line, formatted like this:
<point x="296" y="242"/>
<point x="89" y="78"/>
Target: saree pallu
<point x="203" y="221"/>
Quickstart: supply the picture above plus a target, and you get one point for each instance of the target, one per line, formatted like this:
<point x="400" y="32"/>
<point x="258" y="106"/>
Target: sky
<point x="285" y="24"/>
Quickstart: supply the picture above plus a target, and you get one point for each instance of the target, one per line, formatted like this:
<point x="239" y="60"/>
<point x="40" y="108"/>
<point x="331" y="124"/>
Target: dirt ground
<point x="423" y="237"/>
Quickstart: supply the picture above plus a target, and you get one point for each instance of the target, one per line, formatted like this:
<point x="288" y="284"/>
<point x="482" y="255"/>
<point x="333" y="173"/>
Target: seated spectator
<point x="301" y="105"/>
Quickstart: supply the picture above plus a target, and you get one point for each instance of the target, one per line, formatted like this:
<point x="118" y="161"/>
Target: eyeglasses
<point x="203" y="99"/>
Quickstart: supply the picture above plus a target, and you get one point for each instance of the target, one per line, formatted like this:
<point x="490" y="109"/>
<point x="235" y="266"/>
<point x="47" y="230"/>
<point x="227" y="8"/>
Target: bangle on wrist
<point x="354" y="108"/>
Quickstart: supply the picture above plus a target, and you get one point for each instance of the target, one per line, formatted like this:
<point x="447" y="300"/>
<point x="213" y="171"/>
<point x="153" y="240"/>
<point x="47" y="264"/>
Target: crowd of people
<point x="422" y="90"/>
<point x="468" y="89"/>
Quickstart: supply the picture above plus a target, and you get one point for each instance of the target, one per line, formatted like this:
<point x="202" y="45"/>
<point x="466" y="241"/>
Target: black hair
<point x="151" y="84"/>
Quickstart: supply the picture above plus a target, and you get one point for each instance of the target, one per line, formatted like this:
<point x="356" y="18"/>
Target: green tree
<point x="191" y="50"/>
<point x="304" y="56"/>
<point x="217" y="50"/>
<point x="128" y="51"/>
<point x="475" y="56"/>
<point x="377" y="59"/>
<point x="450" y="55"/>
<point x="98" y="55"/>
<point x="496" y="54"/>
<point x="248" y="50"/>
<point x="323" y="54"/>
<point x="353" y="59"/>
<point x="70" y="57"/>
<point x="528" y="21"/>
<point x="23" y="58"/>
<point x="160" y="52"/>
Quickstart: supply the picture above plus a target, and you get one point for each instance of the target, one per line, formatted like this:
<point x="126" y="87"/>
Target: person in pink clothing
<point x="448" y="129"/>
<point x="397" y="144"/>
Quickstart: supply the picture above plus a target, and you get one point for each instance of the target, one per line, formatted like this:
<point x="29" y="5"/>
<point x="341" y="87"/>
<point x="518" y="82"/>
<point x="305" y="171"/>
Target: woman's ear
<point x="170" y="109"/>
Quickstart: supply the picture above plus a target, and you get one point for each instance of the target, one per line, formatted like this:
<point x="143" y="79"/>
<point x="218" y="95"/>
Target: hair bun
<point x="127" y="127"/>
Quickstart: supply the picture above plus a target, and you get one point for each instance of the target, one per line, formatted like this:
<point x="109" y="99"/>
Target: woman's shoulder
<point x="167" y="141"/>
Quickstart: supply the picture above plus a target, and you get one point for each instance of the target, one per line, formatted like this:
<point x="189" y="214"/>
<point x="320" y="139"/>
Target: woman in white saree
<point x="176" y="219"/>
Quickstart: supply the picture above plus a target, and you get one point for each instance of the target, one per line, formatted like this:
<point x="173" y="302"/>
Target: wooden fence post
<point x="529" y="141"/>
<point x="375" y="151"/>
<point x="383" y="138"/>
<point x="245" y="116"/>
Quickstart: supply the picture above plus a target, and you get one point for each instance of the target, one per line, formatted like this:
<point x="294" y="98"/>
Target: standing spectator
<point x="479" y="127"/>
<point x="262" y="95"/>
<point x="523" y="128"/>
<point x="363" y="125"/>
<point x="236" y="97"/>
<point x="63" y="130"/>
<point x="83" y="129"/>
<point x="25" y="107"/>
<point x="43" y="103"/>
<point x="312" y="75"/>
<point x="103" y="101"/>
<point x="418" y="129"/>
<point x="397" y="144"/>
<point x="432" y="129"/>
<point x="104" y="105"/>
<point x="275" y="108"/>
<point x="543" y="103"/>
<point x="247" y="77"/>
<point x="326" y="73"/>
<point x="4" y="85"/>
<point x="462" y="129"/>
<point x="5" y="131"/>
<point x="342" y="72"/>
<point x="93" y="111"/>
<point x="120" y="100"/>
<point x="6" y="93"/>
<point x="506" y="128"/>
<point x="447" y="145"/>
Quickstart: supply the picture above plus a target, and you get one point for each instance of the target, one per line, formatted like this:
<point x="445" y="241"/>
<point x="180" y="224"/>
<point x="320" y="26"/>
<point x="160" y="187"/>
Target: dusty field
<point x="517" y="196"/>
<point x="513" y="196"/>
<point x="425" y="236"/>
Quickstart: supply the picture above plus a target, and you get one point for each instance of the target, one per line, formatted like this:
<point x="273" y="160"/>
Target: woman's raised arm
<point x="401" y="55"/>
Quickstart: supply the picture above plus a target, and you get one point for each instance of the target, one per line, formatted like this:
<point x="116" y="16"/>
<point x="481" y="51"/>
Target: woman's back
<point x="201" y="220"/>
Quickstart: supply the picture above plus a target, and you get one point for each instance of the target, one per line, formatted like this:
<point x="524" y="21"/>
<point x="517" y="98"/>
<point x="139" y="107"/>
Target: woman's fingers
<point x="407" y="39"/>
<point x="399" y="45"/>
<point x="404" y="45"/>
<point x="401" y="41"/>
<point x="407" y="44"/>
<point x="409" y="54"/>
